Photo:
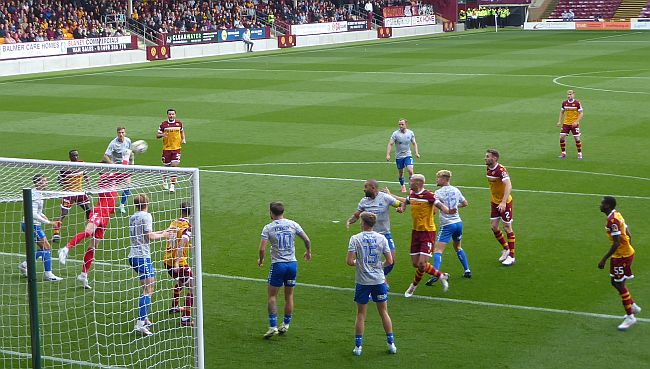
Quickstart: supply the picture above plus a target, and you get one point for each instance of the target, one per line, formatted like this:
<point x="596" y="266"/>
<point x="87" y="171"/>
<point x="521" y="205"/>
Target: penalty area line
<point x="441" y="299"/>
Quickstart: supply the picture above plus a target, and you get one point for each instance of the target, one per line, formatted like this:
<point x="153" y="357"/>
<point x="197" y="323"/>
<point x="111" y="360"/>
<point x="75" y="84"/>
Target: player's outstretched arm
<point x="352" y="219"/>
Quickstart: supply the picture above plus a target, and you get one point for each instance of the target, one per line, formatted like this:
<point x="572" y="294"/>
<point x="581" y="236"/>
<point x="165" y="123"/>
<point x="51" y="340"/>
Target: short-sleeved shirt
<point x="403" y="141"/>
<point x="37" y="207"/>
<point x="281" y="233"/>
<point x="183" y="231"/>
<point x="380" y="206"/>
<point x="616" y="227"/>
<point x="173" y="139"/>
<point x="422" y="204"/>
<point x="71" y="179"/>
<point x="116" y="149"/>
<point x="452" y="197"/>
<point x="496" y="177"/>
<point x="140" y="224"/>
<point x="369" y="247"/>
<point x="572" y="110"/>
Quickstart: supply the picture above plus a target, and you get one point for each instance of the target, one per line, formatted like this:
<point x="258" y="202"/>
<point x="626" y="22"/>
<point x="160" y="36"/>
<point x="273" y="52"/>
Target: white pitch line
<point x="365" y="72"/>
<point x="398" y="73"/>
<point x="65" y="361"/>
<point x="442" y="299"/>
<point x="382" y="181"/>
<point x="557" y="81"/>
<point x="430" y="163"/>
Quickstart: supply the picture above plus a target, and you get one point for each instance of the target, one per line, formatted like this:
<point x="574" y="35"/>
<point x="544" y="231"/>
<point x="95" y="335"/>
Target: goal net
<point x="95" y="326"/>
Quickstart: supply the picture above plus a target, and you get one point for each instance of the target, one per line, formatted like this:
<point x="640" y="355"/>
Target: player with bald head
<point x="377" y="203"/>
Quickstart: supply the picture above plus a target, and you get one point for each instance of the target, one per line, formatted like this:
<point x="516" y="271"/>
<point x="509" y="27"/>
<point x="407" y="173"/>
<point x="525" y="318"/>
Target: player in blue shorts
<point x="364" y="252"/>
<point x="378" y="203"/>
<point x="141" y="233"/>
<point x="281" y="233"/>
<point x="402" y="139"/>
<point x="451" y="226"/>
<point x="44" y="251"/>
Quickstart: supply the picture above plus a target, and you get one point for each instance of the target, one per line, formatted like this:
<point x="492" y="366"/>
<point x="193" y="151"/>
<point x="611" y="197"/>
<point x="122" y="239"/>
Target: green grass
<point x="461" y="94"/>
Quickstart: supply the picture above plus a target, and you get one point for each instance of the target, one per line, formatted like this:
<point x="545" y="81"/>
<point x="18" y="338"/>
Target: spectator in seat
<point x="570" y="15"/>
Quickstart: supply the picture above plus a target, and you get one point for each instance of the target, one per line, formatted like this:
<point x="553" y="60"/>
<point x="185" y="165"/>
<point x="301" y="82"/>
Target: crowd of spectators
<point x="42" y="20"/>
<point x="195" y="15"/>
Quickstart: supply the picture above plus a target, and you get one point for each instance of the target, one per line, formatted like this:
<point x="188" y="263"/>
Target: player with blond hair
<point x="423" y="204"/>
<point x="451" y="226"/>
<point x="570" y="116"/>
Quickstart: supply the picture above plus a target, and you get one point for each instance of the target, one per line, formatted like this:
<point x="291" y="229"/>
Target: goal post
<point x="94" y="327"/>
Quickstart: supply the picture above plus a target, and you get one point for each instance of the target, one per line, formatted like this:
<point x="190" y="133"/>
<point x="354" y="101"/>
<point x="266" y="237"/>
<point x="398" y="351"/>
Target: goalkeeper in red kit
<point x="97" y="223"/>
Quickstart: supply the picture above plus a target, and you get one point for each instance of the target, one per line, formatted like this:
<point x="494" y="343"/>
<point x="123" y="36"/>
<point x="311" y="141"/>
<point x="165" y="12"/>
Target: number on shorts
<point x="619" y="270"/>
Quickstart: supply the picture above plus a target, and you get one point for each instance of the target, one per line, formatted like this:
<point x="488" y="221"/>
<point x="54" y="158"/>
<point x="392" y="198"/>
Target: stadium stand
<point x="41" y="20"/>
<point x="194" y="16"/>
<point x="645" y="12"/>
<point x="586" y="9"/>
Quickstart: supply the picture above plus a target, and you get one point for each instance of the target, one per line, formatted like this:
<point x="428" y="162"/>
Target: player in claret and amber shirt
<point x="500" y="205"/>
<point x="72" y="180"/>
<point x="177" y="265"/>
<point x="173" y="135"/>
<point x="570" y="117"/>
<point x="622" y="255"/>
<point x="423" y="235"/>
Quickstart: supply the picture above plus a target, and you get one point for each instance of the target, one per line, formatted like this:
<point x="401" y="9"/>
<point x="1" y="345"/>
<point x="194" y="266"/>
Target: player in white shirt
<point x="378" y="203"/>
<point x="402" y="139"/>
<point x="141" y="233"/>
<point x="119" y="152"/>
<point x="281" y="233"/>
<point x="451" y="226"/>
<point x="44" y="249"/>
<point x="364" y="252"/>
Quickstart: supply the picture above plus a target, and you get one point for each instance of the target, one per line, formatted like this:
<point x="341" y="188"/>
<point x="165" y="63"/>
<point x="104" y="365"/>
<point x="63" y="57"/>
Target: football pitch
<point x="308" y="126"/>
